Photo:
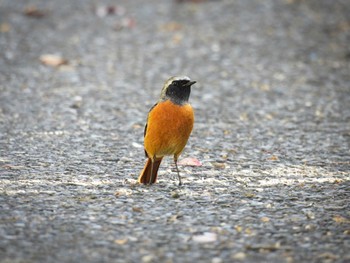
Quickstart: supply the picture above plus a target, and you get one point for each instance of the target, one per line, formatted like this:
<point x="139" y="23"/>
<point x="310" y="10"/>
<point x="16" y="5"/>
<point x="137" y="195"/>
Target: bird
<point x="168" y="127"/>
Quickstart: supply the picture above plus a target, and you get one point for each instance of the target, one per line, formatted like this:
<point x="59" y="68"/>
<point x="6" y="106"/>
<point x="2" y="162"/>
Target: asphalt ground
<point x="272" y="131"/>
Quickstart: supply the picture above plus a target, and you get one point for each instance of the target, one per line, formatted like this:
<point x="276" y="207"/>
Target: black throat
<point x="178" y="94"/>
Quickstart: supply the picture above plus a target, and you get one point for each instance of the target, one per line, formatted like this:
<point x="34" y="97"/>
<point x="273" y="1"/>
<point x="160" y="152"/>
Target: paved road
<point x="272" y="131"/>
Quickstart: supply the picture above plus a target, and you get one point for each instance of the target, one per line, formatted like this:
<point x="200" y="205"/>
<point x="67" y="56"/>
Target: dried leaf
<point x="341" y="220"/>
<point x="121" y="241"/>
<point x="218" y="165"/>
<point x="53" y="60"/>
<point x="4" y="27"/>
<point x="190" y="161"/>
<point x="264" y="219"/>
<point x="137" y="209"/>
<point x="249" y="194"/>
<point x="273" y="158"/>
<point x="33" y="11"/>
<point x="238" y="229"/>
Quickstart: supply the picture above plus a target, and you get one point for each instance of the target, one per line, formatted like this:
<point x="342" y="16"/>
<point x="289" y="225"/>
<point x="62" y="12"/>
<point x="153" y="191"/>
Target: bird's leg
<point x="151" y="177"/>
<point x="177" y="170"/>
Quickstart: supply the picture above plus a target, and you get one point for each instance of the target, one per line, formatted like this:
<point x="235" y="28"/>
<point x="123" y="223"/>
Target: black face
<point x="179" y="91"/>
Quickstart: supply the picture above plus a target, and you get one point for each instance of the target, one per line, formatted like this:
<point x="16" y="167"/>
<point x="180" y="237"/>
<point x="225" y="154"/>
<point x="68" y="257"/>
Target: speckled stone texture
<point x="272" y="131"/>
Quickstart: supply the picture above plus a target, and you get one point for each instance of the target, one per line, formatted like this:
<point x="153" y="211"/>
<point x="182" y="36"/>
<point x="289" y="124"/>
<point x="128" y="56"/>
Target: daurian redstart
<point x="169" y="125"/>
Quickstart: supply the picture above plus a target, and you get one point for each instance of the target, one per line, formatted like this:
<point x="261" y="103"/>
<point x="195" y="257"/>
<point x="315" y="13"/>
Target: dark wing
<point x="144" y="132"/>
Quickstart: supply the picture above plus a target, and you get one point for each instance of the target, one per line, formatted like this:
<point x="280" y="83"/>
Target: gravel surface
<point x="272" y="131"/>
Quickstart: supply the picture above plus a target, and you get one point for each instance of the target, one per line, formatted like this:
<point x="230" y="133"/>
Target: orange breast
<point x="168" y="129"/>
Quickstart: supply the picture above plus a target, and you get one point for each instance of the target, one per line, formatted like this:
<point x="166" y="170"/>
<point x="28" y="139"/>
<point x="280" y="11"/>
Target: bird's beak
<point x="190" y="83"/>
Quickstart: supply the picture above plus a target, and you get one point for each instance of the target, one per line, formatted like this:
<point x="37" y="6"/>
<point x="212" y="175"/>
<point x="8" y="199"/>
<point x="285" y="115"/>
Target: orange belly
<point x="168" y="128"/>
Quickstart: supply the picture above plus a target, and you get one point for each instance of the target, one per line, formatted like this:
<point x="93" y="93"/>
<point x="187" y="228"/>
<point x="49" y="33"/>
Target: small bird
<point x="169" y="125"/>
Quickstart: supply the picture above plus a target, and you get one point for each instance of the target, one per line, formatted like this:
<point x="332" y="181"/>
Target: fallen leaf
<point x="218" y="165"/>
<point x="249" y="194"/>
<point x="189" y="162"/>
<point x="273" y="158"/>
<point x="238" y="229"/>
<point x="137" y="209"/>
<point x="121" y="241"/>
<point x="53" y="60"/>
<point x="33" y="11"/>
<point x="4" y="27"/>
<point x="264" y="219"/>
<point x="341" y="220"/>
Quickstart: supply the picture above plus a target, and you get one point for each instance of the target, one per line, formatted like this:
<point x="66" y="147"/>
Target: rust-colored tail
<point x="149" y="172"/>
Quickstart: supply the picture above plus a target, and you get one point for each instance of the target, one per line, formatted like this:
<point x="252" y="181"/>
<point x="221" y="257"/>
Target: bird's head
<point x="177" y="89"/>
